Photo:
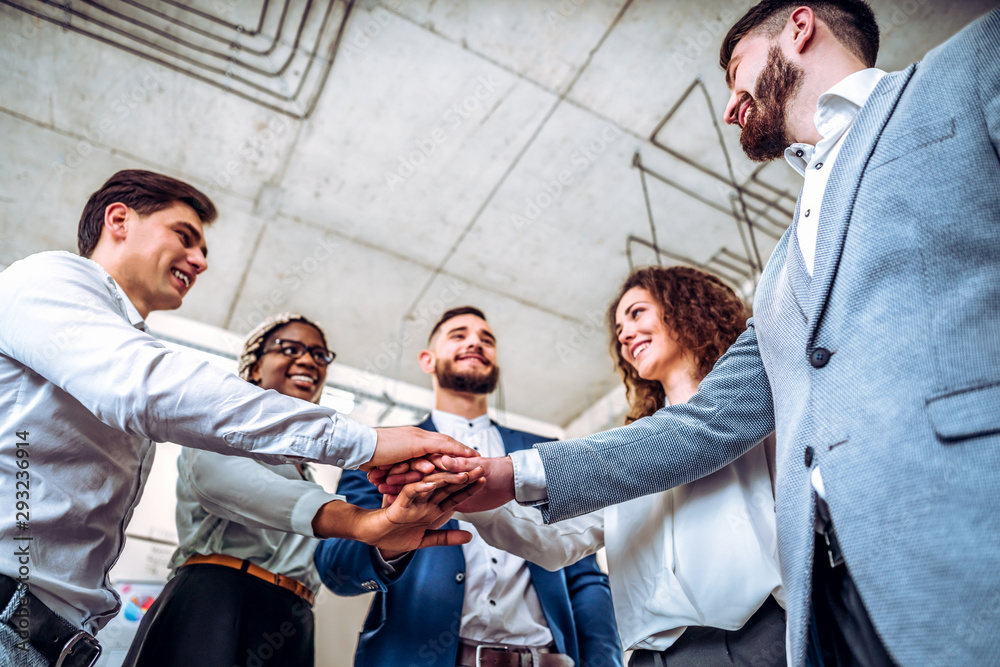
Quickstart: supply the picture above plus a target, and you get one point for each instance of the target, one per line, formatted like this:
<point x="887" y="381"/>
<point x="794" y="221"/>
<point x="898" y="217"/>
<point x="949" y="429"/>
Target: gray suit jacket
<point x="904" y="418"/>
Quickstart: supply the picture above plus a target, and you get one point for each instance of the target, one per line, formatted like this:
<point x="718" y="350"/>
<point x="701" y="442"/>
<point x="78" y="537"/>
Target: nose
<point x="731" y="116"/>
<point x="197" y="259"/>
<point x="626" y="334"/>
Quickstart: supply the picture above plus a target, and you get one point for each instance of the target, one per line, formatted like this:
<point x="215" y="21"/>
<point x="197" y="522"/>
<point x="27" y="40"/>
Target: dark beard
<point x="466" y="382"/>
<point x="765" y="135"/>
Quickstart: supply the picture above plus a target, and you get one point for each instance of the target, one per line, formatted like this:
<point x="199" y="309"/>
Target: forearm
<point x="731" y="412"/>
<point x="522" y="532"/>
<point x="249" y="493"/>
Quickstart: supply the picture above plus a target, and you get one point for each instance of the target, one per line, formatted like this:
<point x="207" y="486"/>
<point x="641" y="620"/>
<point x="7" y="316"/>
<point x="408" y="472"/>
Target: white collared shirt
<point x="91" y="391"/>
<point x="701" y="554"/>
<point x="835" y="113"/>
<point x="500" y="603"/>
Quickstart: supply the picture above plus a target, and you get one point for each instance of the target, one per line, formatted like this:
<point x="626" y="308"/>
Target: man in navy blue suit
<point x="441" y="607"/>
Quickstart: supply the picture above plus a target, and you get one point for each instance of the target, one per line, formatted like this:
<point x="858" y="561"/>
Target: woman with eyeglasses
<point x="243" y="579"/>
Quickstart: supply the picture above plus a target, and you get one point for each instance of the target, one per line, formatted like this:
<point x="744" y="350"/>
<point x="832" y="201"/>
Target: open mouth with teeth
<point x="181" y="276"/>
<point x="639" y="349"/>
<point x="473" y="357"/>
<point x="303" y="381"/>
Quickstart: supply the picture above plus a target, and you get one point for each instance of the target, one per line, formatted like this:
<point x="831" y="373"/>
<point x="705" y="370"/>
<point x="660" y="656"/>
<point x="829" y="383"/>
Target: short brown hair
<point x="144" y="192"/>
<point x="704" y="314"/>
<point x="852" y="22"/>
<point x="455" y="312"/>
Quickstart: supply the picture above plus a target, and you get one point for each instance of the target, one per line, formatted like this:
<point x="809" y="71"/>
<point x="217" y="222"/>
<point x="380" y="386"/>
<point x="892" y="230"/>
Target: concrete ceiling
<point x="376" y="163"/>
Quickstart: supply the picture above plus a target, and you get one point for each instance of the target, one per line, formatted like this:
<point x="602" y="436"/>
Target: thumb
<point x="445" y="538"/>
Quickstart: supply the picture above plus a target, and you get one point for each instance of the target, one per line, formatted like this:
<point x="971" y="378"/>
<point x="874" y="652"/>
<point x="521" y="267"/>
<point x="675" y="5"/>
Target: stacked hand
<point x="392" y="480"/>
<point x="410" y="519"/>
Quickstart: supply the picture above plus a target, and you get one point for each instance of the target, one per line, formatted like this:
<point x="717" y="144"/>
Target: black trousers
<point x="215" y="616"/>
<point x="841" y="633"/>
<point x="759" y="643"/>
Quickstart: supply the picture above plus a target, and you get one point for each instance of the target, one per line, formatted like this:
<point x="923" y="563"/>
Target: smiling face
<point x="644" y="340"/>
<point x="763" y="83"/>
<point x="303" y="377"/>
<point x="161" y="256"/>
<point x="463" y="356"/>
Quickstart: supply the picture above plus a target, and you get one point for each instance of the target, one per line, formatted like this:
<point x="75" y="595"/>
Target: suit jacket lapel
<point x="842" y="188"/>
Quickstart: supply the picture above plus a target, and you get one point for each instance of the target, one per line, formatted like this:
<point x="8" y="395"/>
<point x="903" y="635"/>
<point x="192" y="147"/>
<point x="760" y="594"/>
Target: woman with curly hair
<point x="694" y="571"/>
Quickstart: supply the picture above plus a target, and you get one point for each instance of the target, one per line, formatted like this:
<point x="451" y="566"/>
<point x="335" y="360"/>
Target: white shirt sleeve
<point x="529" y="477"/>
<point x="69" y="328"/>
<point x="522" y="532"/>
<point x="244" y="491"/>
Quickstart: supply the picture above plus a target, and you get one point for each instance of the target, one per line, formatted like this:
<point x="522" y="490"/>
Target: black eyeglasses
<point x="294" y="349"/>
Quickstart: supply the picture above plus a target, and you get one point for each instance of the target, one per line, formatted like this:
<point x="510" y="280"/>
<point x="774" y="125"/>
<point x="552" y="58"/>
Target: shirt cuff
<point x="306" y="508"/>
<point x="384" y="566"/>
<point x="530" y="487"/>
<point x="357" y="443"/>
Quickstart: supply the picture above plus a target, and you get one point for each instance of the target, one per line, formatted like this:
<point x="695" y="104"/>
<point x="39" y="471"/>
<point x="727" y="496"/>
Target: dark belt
<point x="508" y="655"/>
<point x="58" y="641"/>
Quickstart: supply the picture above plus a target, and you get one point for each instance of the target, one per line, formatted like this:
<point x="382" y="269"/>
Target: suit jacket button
<point x="809" y="457"/>
<point x="460" y="577"/>
<point x="819" y="357"/>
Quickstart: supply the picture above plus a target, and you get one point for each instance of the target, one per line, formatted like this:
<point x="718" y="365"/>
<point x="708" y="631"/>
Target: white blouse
<point x="701" y="554"/>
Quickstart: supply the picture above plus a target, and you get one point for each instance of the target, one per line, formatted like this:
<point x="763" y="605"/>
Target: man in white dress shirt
<point x="437" y="609"/>
<point x="85" y="392"/>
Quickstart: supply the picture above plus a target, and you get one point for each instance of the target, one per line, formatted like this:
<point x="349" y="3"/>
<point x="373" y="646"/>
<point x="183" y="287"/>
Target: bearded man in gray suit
<point x="872" y="354"/>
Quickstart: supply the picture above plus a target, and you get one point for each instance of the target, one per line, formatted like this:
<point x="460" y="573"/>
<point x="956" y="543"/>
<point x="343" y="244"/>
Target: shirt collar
<point x="134" y="318"/>
<point x="836" y="110"/>
<point x="452" y="422"/>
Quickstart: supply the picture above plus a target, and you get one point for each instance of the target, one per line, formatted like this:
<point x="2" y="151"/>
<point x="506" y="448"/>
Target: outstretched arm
<point x="523" y="532"/>
<point x="731" y="412"/>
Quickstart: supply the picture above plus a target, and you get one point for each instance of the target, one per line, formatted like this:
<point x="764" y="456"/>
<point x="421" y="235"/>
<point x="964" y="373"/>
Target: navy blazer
<point x="416" y="614"/>
<point x="882" y="368"/>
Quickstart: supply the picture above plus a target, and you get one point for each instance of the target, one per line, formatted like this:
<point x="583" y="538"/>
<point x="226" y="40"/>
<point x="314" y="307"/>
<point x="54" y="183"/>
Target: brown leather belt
<point x="293" y="585"/>
<point x="508" y="655"/>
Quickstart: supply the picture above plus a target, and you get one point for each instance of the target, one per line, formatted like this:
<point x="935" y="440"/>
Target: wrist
<point x="341" y="519"/>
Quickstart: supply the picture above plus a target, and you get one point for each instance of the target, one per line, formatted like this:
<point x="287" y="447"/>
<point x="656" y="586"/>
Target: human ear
<point x="116" y="217"/>
<point x="427" y="361"/>
<point x="802" y="24"/>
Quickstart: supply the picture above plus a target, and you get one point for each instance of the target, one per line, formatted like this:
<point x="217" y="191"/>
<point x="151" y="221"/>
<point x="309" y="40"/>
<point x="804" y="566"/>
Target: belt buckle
<point x="89" y="651"/>
<point x="488" y="647"/>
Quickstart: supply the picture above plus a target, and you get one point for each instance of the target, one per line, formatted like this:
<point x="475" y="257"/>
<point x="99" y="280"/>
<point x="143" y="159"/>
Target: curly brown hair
<point x="703" y="313"/>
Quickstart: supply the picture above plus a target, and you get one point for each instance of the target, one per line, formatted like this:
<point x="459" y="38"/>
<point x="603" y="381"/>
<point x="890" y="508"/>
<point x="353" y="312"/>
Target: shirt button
<point x="819" y="165"/>
<point x="808" y="210"/>
<point x="819" y="357"/>
<point x="494" y="560"/>
<point x="798" y="153"/>
<point x="809" y="457"/>
<point x="493" y="603"/>
<point x="460" y="577"/>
